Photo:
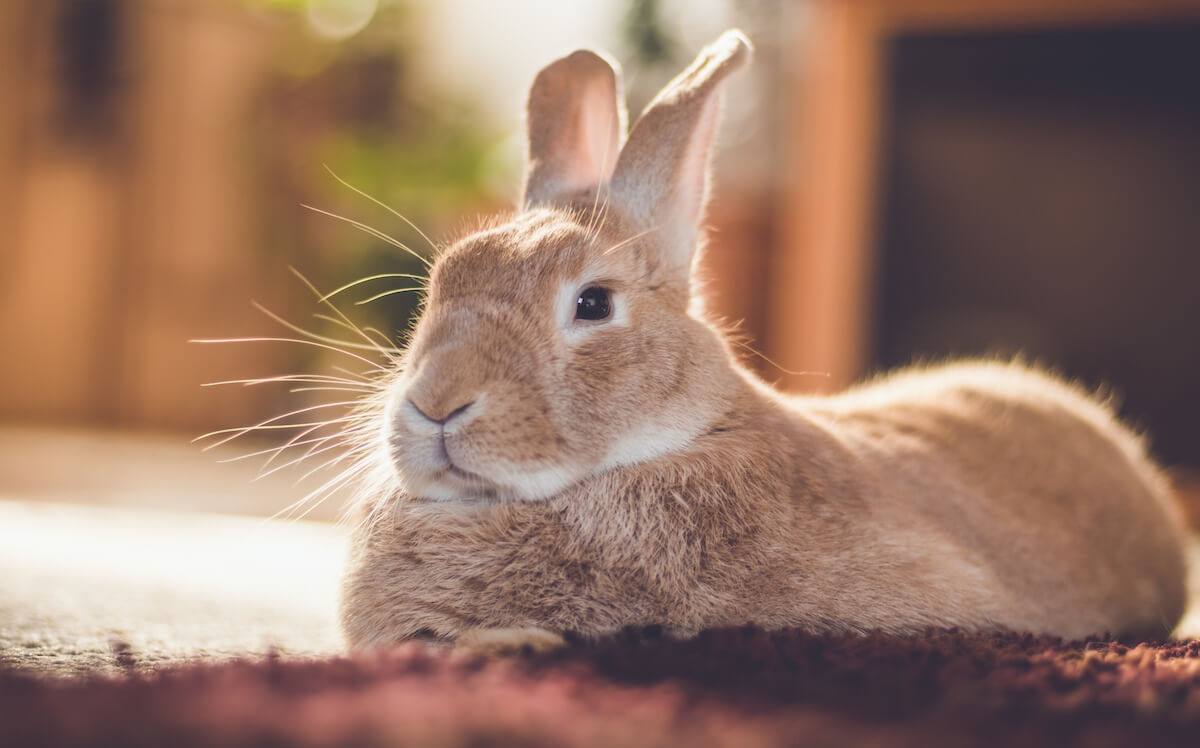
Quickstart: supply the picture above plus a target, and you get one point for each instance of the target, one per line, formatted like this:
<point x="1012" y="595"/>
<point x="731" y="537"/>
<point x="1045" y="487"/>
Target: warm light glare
<point x="338" y="19"/>
<point x="284" y="566"/>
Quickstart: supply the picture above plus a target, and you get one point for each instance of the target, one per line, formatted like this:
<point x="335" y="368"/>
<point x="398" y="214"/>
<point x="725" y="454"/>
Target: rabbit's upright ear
<point x="661" y="177"/>
<point x="575" y="121"/>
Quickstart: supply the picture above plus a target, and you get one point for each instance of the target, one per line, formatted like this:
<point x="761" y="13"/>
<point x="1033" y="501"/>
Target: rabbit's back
<point x="1030" y="479"/>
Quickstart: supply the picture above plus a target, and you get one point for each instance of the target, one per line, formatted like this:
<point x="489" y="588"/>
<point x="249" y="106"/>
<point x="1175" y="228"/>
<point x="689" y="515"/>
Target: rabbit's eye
<point x="594" y="303"/>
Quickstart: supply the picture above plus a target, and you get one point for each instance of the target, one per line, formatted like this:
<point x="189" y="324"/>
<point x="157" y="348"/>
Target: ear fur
<point x="575" y="122"/>
<point x="661" y="176"/>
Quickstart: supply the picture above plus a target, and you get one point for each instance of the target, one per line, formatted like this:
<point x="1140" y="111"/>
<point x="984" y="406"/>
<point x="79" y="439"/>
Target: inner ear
<point x="575" y="122"/>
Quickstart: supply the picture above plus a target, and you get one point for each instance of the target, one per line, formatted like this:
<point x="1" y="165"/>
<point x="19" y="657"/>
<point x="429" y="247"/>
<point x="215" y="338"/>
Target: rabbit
<point x="569" y="447"/>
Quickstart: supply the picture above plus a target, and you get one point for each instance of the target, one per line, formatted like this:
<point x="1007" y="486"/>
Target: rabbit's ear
<point x="575" y="122"/>
<point x="661" y="176"/>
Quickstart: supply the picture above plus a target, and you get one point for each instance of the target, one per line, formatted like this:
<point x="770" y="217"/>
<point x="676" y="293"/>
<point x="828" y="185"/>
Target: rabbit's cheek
<point x="517" y="446"/>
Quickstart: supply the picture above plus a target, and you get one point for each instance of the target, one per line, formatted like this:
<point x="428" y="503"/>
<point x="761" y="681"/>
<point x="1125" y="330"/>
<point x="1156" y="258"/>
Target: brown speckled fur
<point x="631" y="473"/>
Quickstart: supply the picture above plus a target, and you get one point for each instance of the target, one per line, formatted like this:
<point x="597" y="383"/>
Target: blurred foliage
<point x="651" y="54"/>
<point x="644" y="33"/>
<point x="358" y="108"/>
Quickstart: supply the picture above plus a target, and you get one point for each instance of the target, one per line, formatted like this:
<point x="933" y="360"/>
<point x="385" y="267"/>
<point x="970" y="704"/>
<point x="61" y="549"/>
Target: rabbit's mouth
<point x="444" y="472"/>
<point x="441" y="479"/>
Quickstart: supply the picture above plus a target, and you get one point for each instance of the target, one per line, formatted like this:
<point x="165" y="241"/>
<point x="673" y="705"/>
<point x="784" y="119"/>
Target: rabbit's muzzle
<point x="467" y="422"/>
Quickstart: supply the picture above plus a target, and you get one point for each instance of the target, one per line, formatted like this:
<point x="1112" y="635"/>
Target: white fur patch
<point x="534" y="485"/>
<point x="648" y="442"/>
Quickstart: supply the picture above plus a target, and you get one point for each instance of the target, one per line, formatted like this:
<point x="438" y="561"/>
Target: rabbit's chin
<point x="450" y="483"/>
<point x="442" y="480"/>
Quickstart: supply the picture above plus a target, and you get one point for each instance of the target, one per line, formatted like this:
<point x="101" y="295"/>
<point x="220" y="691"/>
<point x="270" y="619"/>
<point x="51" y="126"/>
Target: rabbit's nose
<point x="440" y="412"/>
<point x="443" y="391"/>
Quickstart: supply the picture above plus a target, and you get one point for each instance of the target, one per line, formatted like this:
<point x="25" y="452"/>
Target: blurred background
<point x="897" y="181"/>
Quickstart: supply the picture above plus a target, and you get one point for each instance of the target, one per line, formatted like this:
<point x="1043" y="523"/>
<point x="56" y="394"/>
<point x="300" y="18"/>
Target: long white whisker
<point x="315" y="449"/>
<point x="373" y="232"/>
<point x="385" y="206"/>
<point x="346" y="371"/>
<point x="630" y="240"/>
<point x="273" y="423"/>
<point x="787" y="371"/>
<point x="324" y="490"/>
<point x="374" y="366"/>
<point x="384" y="338"/>
<point x="373" y="347"/>
<point x="301" y="378"/>
<point x="386" y="344"/>
<point x="344" y="433"/>
<point x="386" y="352"/>
<point x="361" y="281"/>
<point x="350" y="475"/>
<point x="328" y="388"/>
<point x="388" y="293"/>
<point x="274" y="451"/>
<point x="267" y="427"/>
<point x="351" y="452"/>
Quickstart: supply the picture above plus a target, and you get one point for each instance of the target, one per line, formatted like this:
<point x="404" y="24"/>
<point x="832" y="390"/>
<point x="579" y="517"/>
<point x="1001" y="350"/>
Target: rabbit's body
<point x="569" y="446"/>
<point x="983" y="496"/>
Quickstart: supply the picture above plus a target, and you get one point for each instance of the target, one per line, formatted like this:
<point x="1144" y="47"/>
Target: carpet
<point x="735" y="687"/>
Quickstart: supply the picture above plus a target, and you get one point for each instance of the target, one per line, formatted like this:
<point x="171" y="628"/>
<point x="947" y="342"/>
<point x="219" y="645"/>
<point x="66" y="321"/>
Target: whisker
<point x="630" y="240"/>
<point x="593" y="223"/>
<point x="273" y="423"/>
<point x="603" y="217"/>
<point x="367" y="361"/>
<point x="789" y="372"/>
<point x="293" y="442"/>
<point x="296" y="441"/>
<point x="369" y="278"/>
<point x="386" y="344"/>
<point x="323" y="491"/>
<point x="591" y="227"/>
<point x="388" y="293"/>
<point x="350" y="476"/>
<point x="303" y="378"/>
<point x="373" y="232"/>
<point x="273" y="451"/>
<point x="350" y="452"/>
<point x="327" y="388"/>
<point x="324" y="339"/>
<point x="264" y="427"/>
<point x="385" y="206"/>
<point x="384" y="338"/>
<point x="333" y="307"/>
<point x="389" y="352"/>
<point x="362" y="377"/>
<point x="310" y="452"/>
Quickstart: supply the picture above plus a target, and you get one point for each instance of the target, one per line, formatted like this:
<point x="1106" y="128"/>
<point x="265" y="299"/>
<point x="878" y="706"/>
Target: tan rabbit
<point x="569" y="446"/>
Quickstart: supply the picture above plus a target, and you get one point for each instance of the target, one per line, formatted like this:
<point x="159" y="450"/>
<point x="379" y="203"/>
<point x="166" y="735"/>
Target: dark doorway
<point x="1041" y="194"/>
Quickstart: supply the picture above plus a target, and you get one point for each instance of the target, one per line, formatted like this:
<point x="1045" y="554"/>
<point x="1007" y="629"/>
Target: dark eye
<point x="594" y="303"/>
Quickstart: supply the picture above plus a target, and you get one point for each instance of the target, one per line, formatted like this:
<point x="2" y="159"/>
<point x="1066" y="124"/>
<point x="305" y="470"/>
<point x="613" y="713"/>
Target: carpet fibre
<point x="735" y="687"/>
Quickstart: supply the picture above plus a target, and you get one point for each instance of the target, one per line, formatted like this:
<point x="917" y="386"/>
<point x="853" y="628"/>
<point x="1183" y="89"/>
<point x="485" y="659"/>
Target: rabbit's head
<point x="559" y="344"/>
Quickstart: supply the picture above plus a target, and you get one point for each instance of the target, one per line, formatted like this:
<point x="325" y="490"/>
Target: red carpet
<point x="730" y="687"/>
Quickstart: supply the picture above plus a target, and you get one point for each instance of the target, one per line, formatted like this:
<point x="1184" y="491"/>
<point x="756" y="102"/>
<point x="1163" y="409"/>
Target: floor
<point x="123" y="552"/>
<point x="103" y="590"/>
